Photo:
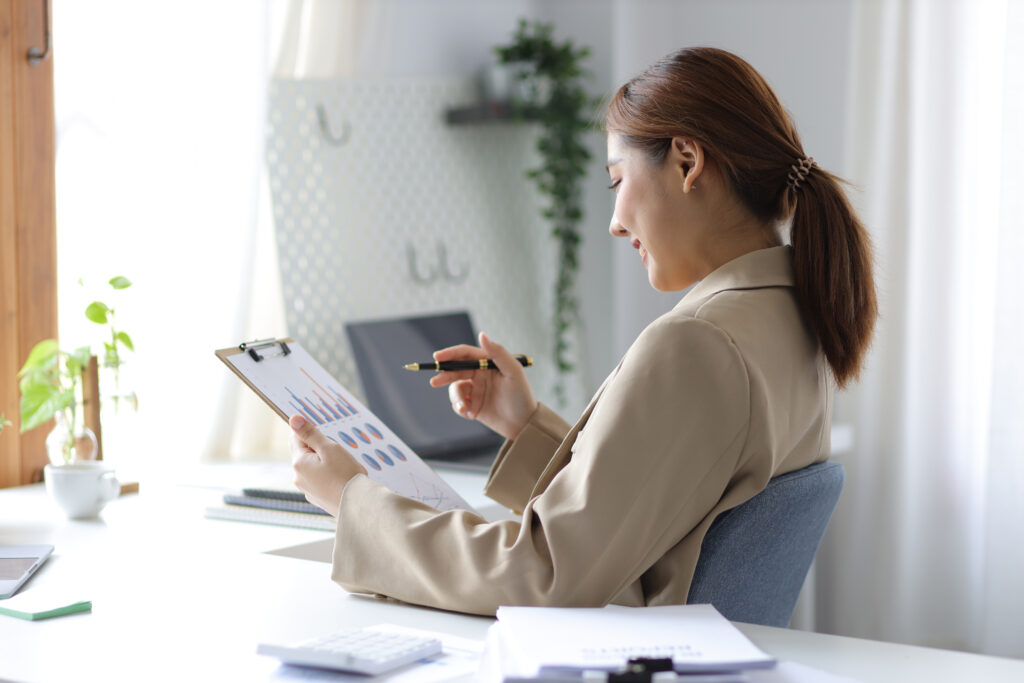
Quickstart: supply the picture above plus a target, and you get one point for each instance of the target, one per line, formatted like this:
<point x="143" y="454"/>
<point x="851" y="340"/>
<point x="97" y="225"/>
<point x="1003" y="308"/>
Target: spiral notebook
<point x="291" y="382"/>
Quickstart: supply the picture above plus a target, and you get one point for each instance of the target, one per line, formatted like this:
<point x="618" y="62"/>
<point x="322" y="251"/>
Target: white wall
<point x="438" y="37"/>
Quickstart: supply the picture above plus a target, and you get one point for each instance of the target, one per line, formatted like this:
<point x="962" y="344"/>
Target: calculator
<point x="371" y="650"/>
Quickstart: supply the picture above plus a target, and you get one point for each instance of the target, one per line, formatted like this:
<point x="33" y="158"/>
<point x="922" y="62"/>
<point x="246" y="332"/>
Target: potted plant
<point x="555" y="98"/>
<point x="102" y="314"/>
<point x="51" y="386"/>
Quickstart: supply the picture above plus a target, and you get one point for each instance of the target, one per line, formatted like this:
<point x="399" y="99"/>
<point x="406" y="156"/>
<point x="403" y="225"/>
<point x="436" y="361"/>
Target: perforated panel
<point x="383" y="209"/>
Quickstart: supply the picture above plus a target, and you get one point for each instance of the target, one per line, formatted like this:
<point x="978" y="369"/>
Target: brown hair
<point x="719" y="100"/>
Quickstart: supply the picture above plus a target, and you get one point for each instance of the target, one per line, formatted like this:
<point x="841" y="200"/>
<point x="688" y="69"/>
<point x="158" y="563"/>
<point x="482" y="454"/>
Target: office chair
<point x="755" y="557"/>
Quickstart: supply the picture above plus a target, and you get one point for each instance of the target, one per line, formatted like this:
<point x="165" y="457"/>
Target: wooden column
<point x="91" y="402"/>
<point x="28" y="239"/>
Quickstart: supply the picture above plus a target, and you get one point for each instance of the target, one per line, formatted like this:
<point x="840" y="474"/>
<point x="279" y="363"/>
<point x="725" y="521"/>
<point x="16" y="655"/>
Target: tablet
<point x="18" y="563"/>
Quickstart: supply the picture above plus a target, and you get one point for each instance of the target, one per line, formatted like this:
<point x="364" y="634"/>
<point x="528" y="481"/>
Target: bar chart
<point x="296" y="384"/>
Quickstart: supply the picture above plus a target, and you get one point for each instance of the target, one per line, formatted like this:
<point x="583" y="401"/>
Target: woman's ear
<point x="687" y="156"/>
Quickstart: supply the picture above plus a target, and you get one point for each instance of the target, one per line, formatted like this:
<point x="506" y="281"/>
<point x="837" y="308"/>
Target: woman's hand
<point x="502" y="400"/>
<point x="322" y="467"/>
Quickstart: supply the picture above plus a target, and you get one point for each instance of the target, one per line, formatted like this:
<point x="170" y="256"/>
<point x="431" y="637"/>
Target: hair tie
<point x="799" y="171"/>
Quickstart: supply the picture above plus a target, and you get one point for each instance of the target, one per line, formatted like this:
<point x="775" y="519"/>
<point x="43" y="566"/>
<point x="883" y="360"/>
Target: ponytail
<point x="715" y="97"/>
<point x="832" y="264"/>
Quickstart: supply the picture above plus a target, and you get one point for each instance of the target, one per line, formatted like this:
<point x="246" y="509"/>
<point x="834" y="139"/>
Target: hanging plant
<point x="555" y="98"/>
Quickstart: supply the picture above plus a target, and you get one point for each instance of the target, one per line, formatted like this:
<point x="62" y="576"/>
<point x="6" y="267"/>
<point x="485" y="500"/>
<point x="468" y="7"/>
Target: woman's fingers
<point x="460" y="394"/>
<point x="460" y="352"/>
<point x="449" y="376"/>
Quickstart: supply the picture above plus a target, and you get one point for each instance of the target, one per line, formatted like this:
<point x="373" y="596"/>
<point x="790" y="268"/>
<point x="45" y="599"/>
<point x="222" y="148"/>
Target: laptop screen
<point x="418" y="413"/>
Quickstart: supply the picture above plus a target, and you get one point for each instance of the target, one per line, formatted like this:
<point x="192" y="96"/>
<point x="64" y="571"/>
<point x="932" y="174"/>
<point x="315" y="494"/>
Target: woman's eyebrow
<point x="611" y="162"/>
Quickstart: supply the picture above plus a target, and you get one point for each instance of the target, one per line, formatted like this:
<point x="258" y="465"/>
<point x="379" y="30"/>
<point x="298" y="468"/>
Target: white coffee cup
<point x="81" y="489"/>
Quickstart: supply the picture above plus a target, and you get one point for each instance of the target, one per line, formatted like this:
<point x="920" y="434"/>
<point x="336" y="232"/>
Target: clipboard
<point x="291" y="382"/>
<point x="257" y="350"/>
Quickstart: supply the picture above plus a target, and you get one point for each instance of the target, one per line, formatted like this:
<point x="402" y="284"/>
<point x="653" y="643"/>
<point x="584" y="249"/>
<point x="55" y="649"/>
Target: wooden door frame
<point x="28" y="231"/>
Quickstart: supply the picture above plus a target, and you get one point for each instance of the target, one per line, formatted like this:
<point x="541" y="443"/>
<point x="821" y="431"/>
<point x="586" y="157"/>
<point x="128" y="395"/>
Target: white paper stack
<point x="530" y="642"/>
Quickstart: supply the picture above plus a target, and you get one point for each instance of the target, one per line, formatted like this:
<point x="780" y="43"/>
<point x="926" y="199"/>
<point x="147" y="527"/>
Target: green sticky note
<point x="36" y="615"/>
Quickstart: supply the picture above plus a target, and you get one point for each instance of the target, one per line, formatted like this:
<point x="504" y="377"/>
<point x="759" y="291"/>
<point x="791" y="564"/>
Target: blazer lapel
<point x="563" y="455"/>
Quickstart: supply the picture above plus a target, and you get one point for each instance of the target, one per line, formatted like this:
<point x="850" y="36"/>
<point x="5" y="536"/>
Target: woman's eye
<point x="615" y="184"/>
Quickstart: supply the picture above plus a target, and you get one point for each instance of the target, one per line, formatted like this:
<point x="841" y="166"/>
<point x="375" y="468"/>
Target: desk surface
<point x="180" y="597"/>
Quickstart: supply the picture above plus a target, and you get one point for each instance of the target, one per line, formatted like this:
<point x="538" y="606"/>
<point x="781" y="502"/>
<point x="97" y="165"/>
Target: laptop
<point x="418" y="413"/>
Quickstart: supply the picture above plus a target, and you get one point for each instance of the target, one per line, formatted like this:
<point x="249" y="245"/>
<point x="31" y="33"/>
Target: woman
<point x="730" y="388"/>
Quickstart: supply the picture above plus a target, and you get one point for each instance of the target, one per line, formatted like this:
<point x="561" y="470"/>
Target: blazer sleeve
<point x="521" y="461"/>
<point x="655" y="456"/>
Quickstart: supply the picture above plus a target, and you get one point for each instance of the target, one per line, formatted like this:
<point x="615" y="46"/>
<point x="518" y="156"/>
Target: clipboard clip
<point x="250" y="347"/>
<point x="641" y="670"/>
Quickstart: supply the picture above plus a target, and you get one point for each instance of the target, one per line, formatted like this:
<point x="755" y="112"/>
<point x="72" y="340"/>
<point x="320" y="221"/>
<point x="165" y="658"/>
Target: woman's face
<point x="651" y="210"/>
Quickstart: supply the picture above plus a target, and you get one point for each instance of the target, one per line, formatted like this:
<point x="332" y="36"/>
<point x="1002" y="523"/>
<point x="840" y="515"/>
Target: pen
<point x="482" y="364"/>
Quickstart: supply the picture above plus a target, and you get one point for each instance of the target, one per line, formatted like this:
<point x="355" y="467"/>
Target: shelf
<point x="495" y="112"/>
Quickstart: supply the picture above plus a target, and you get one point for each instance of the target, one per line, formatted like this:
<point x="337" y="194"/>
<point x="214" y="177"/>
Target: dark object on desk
<point x="276" y="494"/>
<point x="419" y="414"/>
<point x="755" y="557"/>
<point x="640" y="670"/>
<point x="275" y="504"/>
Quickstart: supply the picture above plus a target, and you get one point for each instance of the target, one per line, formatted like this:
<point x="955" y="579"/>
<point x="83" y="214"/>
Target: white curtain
<point x="330" y="38"/>
<point x="160" y="123"/>
<point x="926" y="544"/>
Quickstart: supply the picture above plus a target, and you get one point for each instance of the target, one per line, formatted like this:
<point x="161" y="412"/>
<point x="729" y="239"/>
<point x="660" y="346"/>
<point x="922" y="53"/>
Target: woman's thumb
<point x="307" y="431"/>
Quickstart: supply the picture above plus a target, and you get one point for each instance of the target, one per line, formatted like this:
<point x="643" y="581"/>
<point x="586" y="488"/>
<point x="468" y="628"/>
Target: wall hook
<point x="325" y="128"/>
<point x="414" y="272"/>
<point x="442" y="256"/>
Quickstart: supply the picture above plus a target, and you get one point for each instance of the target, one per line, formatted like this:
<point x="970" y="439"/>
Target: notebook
<point x="418" y="413"/>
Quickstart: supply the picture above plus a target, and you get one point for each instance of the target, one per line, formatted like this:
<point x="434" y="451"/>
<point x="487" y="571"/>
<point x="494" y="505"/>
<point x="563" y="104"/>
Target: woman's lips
<point x="643" y="252"/>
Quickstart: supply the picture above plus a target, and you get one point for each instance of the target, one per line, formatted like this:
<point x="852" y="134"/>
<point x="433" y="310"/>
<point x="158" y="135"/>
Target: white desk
<point x="179" y="597"/>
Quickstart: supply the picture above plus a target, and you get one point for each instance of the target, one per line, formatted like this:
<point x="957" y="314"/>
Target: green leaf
<point x="77" y="360"/>
<point x="40" y="403"/>
<point x="126" y="340"/>
<point x="40" y="377"/>
<point x="120" y="282"/>
<point x="42" y="354"/>
<point x="97" y="312"/>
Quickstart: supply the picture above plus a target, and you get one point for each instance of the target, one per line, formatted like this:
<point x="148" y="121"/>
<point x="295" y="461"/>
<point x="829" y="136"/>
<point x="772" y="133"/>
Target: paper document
<point x="698" y="638"/>
<point x="294" y="383"/>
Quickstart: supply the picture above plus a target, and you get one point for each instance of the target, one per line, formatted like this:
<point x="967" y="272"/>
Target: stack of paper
<point x="284" y="507"/>
<point x="528" y="642"/>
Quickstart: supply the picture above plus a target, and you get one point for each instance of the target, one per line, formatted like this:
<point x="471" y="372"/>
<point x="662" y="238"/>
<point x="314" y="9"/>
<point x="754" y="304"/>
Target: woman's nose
<point x="616" y="229"/>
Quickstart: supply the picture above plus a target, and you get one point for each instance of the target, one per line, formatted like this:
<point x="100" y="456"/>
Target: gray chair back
<point x="755" y="557"/>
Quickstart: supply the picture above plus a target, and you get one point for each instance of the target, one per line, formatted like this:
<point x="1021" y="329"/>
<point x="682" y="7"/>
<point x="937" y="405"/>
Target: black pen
<point x="482" y="364"/>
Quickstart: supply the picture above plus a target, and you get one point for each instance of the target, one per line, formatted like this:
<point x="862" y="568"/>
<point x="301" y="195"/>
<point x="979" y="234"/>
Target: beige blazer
<point x="712" y="400"/>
